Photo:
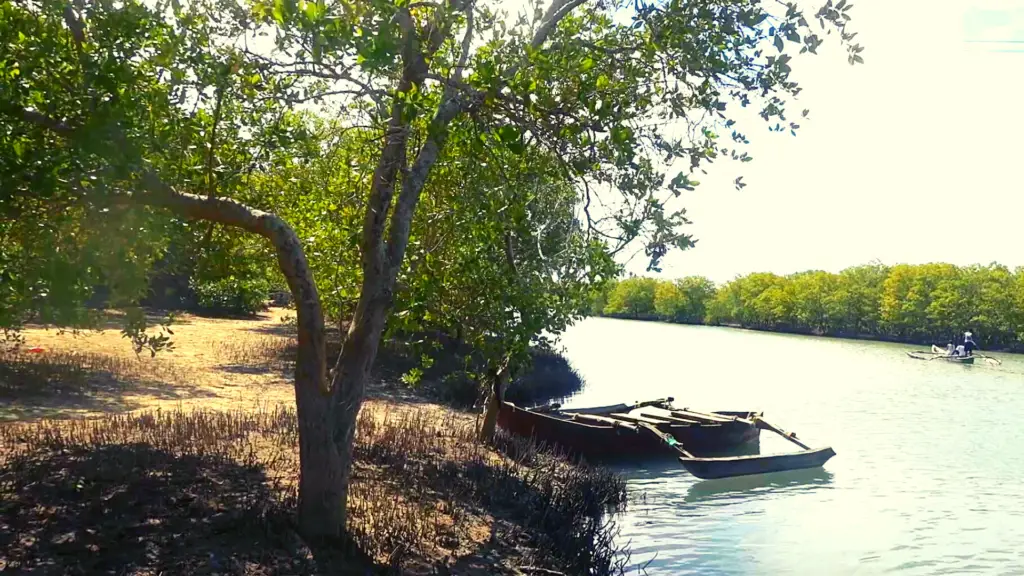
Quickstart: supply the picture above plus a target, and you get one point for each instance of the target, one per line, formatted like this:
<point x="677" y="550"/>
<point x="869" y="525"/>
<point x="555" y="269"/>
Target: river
<point x="928" y="473"/>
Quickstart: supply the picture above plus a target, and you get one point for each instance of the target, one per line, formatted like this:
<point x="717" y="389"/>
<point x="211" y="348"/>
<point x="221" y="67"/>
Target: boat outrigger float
<point x="656" y="427"/>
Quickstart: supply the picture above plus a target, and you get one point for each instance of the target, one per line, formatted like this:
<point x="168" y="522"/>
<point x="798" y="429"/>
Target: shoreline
<point x="795" y="332"/>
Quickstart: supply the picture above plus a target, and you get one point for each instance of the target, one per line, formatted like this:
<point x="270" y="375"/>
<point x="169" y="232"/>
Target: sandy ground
<point x="219" y="364"/>
<point x="420" y="492"/>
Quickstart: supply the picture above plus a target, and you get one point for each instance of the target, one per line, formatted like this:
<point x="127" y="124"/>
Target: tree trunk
<point x="322" y="481"/>
<point x="493" y="405"/>
<point x="352" y="373"/>
<point x="321" y="478"/>
<point x="322" y="484"/>
<point x="381" y="261"/>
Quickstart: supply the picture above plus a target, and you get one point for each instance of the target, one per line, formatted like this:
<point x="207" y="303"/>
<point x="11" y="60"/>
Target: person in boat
<point x="969" y="346"/>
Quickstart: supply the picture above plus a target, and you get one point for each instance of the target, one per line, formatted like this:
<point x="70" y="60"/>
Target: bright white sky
<point x="913" y="157"/>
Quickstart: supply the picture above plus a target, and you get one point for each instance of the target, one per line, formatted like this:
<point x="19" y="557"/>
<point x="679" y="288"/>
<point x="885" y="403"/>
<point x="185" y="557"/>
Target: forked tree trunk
<point x="321" y="483"/>
<point x="321" y="479"/>
<point x="351" y="375"/>
<point x="493" y="405"/>
<point x="321" y="490"/>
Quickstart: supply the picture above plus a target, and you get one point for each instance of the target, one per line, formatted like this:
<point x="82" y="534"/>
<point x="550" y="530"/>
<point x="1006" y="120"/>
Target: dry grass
<point x="221" y="364"/>
<point x="189" y="461"/>
<point x="208" y="491"/>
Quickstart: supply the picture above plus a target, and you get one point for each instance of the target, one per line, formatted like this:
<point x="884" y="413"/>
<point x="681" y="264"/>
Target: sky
<point x="913" y="157"/>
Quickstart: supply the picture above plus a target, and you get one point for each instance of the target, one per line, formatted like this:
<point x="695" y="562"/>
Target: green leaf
<point x="279" y="12"/>
<point x="602" y="82"/>
<point x="778" y="43"/>
<point x="508" y="133"/>
<point x="587" y="64"/>
<point x="313" y="10"/>
<point x="621" y="134"/>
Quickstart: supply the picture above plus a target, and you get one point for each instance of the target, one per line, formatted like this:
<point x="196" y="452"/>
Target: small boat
<point x="940" y="354"/>
<point x="612" y="432"/>
<point x="657" y="428"/>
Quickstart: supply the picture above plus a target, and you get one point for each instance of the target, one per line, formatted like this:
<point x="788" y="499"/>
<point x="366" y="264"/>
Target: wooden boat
<point x="612" y="432"/>
<point x="711" y="468"/>
<point x="922" y="355"/>
<point x="657" y="428"/>
<point x="938" y="351"/>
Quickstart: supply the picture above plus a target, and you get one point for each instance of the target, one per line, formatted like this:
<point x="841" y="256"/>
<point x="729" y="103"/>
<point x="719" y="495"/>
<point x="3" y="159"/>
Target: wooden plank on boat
<point x="662" y="414"/>
<point x="605" y="410"/>
<point x="602" y="420"/>
<point x="702" y="417"/>
<point x="668" y="439"/>
<point x="709" y="468"/>
<point x="787" y="435"/>
<point x="658" y="402"/>
<point x="598" y="410"/>
<point x="636" y="419"/>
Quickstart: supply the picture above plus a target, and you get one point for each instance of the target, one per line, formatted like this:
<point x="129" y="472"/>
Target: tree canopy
<point x="436" y="159"/>
<point x="926" y="302"/>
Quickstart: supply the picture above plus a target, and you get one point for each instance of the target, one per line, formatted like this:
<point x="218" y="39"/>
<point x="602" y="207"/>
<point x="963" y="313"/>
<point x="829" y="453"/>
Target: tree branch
<point x="558" y="10"/>
<point x="75" y="25"/>
<point x="290" y="256"/>
<point x="415" y="179"/>
<point x="466" y="41"/>
<point x="39" y="119"/>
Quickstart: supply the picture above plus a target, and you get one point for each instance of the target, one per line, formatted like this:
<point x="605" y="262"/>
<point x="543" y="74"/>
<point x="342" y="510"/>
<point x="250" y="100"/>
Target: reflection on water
<point x="927" y="473"/>
<point x="743" y="487"/>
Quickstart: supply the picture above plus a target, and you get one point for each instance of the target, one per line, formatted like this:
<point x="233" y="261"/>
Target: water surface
<point x="929" y="466"/>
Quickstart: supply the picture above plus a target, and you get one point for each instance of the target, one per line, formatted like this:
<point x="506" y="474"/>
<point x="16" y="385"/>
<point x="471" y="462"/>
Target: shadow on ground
<point x="65" y="385"/>
<point x="136" y="509"/>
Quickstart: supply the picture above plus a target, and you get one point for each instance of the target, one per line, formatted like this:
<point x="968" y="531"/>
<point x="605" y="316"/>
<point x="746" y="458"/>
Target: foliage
<point x="927" y="302"/>
<point x="633" y="297"/>
<point x="167" y="88"/>
<point x="134" y="123"/>
<point x="138" y="94"/>
<point x="684" y="300"/>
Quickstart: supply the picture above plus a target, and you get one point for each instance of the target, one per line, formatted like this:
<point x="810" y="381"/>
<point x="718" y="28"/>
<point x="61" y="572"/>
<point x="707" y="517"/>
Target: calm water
<point x="928" y="476"/>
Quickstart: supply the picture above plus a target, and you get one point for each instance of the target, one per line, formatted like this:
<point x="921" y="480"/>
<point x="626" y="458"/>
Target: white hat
<point x="967" y="334"/>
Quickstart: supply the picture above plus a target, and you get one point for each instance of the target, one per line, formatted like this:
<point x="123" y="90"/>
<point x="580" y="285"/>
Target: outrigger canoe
<point x="940" y="354"/>
<point x="657" y="428"/>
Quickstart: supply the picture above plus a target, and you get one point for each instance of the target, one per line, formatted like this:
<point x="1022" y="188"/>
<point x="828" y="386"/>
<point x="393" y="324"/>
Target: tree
<point x="857" y="300"/>
<point x="669" y="301"/>
<point x="632" y="297"/>
<point x="118" y="109"/>
<point x="811" y="292"/>
<point x="684" y="300"/>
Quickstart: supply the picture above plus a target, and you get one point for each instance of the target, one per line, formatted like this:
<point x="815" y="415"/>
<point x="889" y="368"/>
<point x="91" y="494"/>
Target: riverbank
<point x="187" y="462"/>
<point x="799" y="332"/>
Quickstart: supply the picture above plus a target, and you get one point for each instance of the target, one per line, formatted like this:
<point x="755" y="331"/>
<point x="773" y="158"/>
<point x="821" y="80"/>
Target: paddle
<point x="989" y="359"/>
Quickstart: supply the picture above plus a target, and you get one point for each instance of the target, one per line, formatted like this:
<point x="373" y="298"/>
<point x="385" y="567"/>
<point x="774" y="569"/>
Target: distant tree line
<point x="906" y="303"/>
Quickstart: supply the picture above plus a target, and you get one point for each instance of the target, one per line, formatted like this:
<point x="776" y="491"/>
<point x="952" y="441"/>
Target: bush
<point x="232" y="295"/>
<point x="551" y="377"/>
